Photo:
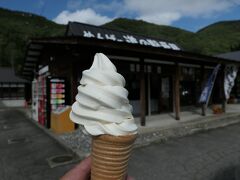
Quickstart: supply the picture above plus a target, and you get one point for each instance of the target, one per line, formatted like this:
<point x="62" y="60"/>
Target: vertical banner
<point x="229" y="78"/>
<point x="206" y="92"/>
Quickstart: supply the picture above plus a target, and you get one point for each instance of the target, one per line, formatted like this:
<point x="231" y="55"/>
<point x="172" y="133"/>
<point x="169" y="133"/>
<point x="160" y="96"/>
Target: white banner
<point x="229" y="78"/>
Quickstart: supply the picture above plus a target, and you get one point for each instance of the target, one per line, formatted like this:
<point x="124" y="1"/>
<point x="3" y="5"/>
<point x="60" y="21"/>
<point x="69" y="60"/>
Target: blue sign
<point x="208" y="86"/>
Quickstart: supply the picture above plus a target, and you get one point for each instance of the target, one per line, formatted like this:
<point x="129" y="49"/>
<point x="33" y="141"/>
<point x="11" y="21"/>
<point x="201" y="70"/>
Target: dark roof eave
<point x="137" y="48"/>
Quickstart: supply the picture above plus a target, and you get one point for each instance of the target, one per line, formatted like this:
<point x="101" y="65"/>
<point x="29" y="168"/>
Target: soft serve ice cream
<point x="102" y="106"/>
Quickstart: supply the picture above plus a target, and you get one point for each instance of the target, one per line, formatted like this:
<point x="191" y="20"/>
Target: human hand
<point x="82" y="171"/>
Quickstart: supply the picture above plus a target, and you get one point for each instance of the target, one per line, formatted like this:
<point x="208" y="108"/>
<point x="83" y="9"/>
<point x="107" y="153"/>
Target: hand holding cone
<point x="103" y="108"/>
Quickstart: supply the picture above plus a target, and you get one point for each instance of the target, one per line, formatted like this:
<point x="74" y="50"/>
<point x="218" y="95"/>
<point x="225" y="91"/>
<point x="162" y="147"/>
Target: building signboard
<point x="89" y="31"/>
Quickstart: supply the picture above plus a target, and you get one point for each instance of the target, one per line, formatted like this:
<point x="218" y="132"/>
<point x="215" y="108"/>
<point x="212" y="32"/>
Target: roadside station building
<point x="13" y="89"/>
<point x="160" y="76"/>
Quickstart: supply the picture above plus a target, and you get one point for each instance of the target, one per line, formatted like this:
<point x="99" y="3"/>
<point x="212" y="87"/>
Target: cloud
<point x="102" y="7"/>
<point x="74" y="4"/>
<point x="163" y="12"/>
<point x="88" y="16"/>
<point x="168" y="11"/>
<point x="160" y="18"/>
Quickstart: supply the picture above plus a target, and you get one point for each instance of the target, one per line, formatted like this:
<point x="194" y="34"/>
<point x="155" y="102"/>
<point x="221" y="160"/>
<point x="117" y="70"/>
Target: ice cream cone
<point x="110" y="155"/>
<point x="103" y="108"/>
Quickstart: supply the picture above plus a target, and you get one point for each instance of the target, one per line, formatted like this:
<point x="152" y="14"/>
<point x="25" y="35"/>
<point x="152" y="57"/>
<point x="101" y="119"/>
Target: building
<point x="160" y="75"/>
<point x="12" y="88"/>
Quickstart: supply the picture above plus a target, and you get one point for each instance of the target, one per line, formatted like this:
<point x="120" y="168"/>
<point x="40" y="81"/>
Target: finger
<point x="79" y="172"/>
<point x="129" y="178"/>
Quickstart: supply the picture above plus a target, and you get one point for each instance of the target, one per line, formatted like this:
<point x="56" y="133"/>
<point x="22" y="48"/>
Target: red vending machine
<point x="42" y="99"/>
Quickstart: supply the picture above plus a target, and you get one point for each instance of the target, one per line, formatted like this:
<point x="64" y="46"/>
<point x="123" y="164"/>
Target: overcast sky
<point x="186" y="14"/>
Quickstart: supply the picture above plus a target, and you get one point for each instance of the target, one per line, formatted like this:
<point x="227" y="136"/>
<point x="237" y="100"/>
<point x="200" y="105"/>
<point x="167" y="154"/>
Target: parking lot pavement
<point x="24" y="149"/>
<point x="211" y="155"/>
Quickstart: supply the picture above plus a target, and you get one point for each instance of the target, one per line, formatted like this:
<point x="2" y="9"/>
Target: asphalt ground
<point x="211" y="155"/>
<point x="27" y="160"/>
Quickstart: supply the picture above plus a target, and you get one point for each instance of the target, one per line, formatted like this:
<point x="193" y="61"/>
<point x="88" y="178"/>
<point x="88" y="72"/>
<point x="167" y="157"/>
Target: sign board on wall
<point x="89" y="31"/>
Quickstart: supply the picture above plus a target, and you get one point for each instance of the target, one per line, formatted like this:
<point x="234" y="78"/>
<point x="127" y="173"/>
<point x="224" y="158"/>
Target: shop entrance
<point x="158" y="87"/>
<point x="160" y="96"/>
<point x="188" y="94"/>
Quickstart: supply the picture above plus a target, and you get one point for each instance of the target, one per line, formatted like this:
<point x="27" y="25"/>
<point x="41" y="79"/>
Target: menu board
<point x="57" y="93"/>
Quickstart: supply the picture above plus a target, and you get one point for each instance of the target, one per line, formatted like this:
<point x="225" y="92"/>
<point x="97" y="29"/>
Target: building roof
<point x="79" y="35"/>
<point x="7" y="75"/>
<point x="97" y="32"/>
<point x="235" y="55"/>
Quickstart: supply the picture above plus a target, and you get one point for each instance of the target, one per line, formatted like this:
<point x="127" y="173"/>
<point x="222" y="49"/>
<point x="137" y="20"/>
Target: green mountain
<point x="214" y="39"/>
<point x="16" y="28"/>
<point x="219" y="37"/>
<point x="148" y="29"/>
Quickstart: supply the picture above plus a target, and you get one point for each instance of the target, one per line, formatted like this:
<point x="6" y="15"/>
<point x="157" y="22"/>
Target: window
<point x="11" y="91"/>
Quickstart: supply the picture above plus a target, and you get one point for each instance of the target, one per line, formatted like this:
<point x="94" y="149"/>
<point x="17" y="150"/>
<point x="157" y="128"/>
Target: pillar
<point x="202" y="78"/>
<point x="177" y="92"/>
<point x="224" y="101"/>
<point x="142" y="94"/>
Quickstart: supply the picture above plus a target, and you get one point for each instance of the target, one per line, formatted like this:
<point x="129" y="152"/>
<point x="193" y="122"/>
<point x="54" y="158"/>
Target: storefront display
<point x="48" y="95"/>
<point x="57" y="97"/>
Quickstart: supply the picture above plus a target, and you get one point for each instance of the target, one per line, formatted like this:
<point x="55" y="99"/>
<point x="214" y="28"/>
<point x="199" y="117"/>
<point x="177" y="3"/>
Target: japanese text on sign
<point x="132" y="39"/>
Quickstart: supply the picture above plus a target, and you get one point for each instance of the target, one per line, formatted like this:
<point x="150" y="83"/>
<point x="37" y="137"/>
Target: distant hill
<point x="16" y="28"/>
<point x="174" y="34"/>
<point x="219" y="37"/>
<point x="216" y="38"/>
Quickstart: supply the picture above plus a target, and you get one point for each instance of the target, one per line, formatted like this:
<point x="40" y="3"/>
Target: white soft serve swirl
<point x="102" y="106"/>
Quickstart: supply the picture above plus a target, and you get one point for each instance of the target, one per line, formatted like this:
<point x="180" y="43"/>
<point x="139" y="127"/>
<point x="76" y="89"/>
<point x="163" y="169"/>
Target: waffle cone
<point x="110" y="155"/>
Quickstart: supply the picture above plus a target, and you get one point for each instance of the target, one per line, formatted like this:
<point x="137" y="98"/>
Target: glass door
<point x="160" y="93"/>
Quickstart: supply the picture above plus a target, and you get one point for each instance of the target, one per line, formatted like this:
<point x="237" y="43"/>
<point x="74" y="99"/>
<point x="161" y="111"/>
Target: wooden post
<point x="142" y="94"/>
<point x="149" y="94"/>
<point x="177" y="92"/>
<point x="73" y="85"/>
<point x="224" y="101"/>
<point x="203" y="106"/>
<point x="203" y="109"/>
<point x="73" y="82"/>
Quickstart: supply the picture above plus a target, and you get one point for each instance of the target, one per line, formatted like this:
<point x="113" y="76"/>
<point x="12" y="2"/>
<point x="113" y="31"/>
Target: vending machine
<point x="56" y="96"/>
<point x="51" y="96"/>
<point x="34" y="100"/>
<point x="42" y="99"/>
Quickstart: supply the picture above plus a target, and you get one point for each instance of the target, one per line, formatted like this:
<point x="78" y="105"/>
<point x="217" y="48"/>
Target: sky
<point x="190" y="15"/>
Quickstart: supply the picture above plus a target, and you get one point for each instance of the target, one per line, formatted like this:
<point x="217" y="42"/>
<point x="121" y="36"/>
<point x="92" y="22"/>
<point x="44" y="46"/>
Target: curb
<point x="189" y="128"/>
<point x="162" y="134"/>
<point x="55" y="137"/>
